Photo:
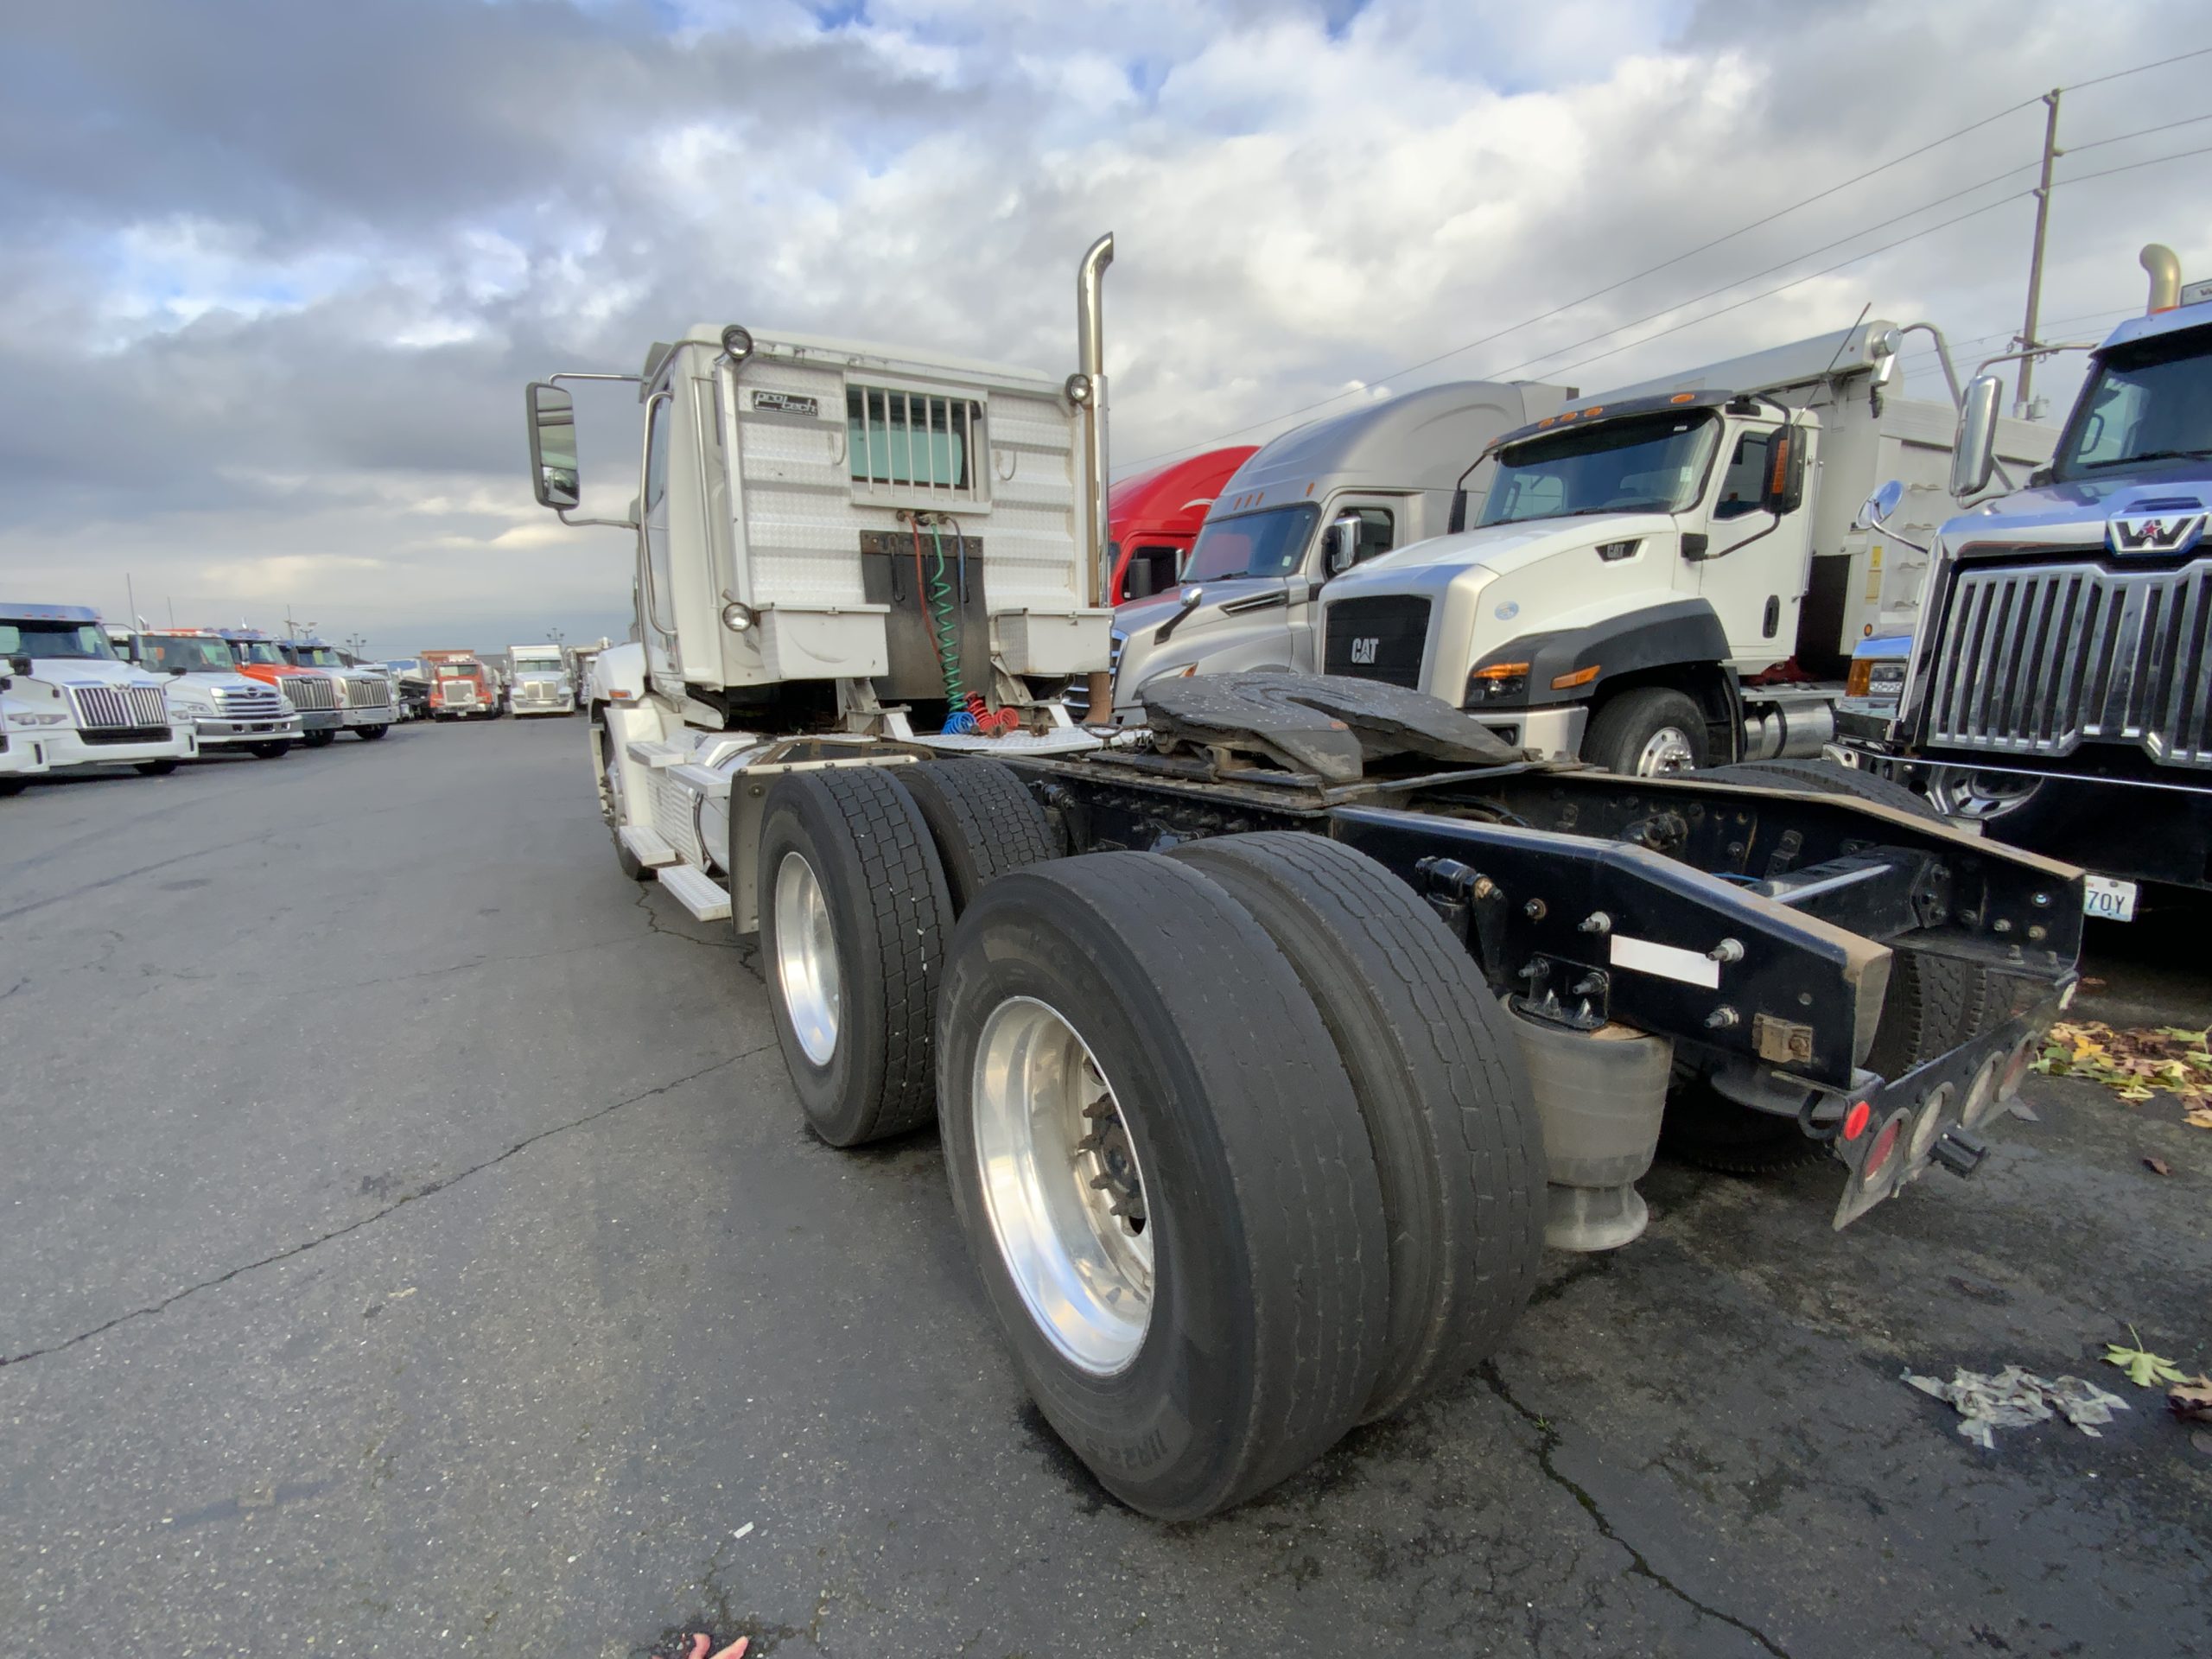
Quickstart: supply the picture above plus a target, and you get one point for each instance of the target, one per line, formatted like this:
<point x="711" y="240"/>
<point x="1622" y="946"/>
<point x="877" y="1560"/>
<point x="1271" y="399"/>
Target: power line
<point x="2178" y="155"/>
<point x="2122" y="75"/>
<point x="2140" y="132"/>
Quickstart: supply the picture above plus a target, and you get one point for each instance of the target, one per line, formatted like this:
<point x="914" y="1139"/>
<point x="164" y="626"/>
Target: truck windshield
<point x="316" y="656"/>
<point x="257" y="650"/>
<point x="189" y="651"/>
<point x="456" y="671"/>
<point x="1271" y="542"/>
<point x="2149" y="401"/>
<point x="1651" y="463"/>
<point x="29" y="639"/>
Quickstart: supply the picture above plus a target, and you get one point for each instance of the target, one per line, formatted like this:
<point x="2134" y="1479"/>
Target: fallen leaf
<point x="2143" y="1368"/>
<point x="2191" y="1399"/>
<point x="2156" y="1165"/>
<point x="2136" y="1064"/>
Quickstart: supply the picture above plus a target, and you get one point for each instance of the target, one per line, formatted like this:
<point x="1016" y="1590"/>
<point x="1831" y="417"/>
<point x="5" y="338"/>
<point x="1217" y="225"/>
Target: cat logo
<point x="1363" y="652"/>
<point x="2175" y="530"/>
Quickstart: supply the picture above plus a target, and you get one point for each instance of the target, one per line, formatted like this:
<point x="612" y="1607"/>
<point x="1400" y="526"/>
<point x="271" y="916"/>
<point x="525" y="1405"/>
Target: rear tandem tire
<point x="877" y="941"/>
<point x="983" y="821"/>
<point x="1440" y="1083"/>
<point x="1259" y="1326"/>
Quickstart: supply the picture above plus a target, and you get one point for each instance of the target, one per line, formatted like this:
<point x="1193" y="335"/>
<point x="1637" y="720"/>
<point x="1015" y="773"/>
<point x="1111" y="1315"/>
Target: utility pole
<point x="2021" y="405"/>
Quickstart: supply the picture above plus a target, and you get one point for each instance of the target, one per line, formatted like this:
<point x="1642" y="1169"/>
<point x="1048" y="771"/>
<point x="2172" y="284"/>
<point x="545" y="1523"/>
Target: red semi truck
<point x="1157" y="515"/>
<point x="460" y="686"/>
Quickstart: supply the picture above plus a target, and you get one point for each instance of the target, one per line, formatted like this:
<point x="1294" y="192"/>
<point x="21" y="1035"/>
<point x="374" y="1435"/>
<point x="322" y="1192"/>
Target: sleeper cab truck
<point x="227" y="712"/>
<point x="1156" y="517"/>
<point x="312" y="693"/>
<point x="76" y="703"/>
<point x="460" y="686"/>
<point x="1673" y="576"/>
<point x="1288" y="1029"/>
<point x="365" y="705"/>
<point x="2060" y="694"/>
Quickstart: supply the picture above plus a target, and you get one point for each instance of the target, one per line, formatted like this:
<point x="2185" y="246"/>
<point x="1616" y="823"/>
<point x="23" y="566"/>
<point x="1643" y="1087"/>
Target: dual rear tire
<point x="1240" y="1146"/>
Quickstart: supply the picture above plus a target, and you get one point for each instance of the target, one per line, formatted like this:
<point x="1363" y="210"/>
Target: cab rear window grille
<point x="912" y="442"/>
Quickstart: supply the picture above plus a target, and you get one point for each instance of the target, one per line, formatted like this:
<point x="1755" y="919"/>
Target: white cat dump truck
<point x="538" y="680"/>
<point x="74" y="697"/>
<point x="1270" y="1041"/>
<point x="1671" y="575"/>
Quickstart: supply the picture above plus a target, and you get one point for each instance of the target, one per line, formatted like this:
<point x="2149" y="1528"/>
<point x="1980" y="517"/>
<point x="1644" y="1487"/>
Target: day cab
<point x="224" y="709"/>
<point x="460" y="686"/>
<point x="81" y="703"/>
<point x="312" y="692"/>
<point x="365" y="705"/>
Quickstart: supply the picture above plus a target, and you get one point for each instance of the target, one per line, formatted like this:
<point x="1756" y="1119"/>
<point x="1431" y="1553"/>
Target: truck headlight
<point x="1873" y="677"/>
<point x="35" y="718"/>
<point x="1495" y="682"/>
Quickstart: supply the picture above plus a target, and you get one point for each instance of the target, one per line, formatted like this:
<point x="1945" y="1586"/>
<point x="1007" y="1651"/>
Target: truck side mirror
<point x="1973" y="453"/>
<point x="1784" y="491"/>
<point x="553" y="476"/>
<point x="1340" y="546"/>
<point x="19" y="663"/>
<point x="1879" y="505"/>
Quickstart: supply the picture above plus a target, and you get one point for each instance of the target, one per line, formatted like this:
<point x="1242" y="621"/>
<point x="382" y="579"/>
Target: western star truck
<point x="78" y="702"/>
<point x="539" y="682"/>
<point x="22" y="754"/>
<point x="1269" y="1042"/>
<point x="460" y="686"/>
<point x="225" y="709"/>
<point x="1301" y="511"/>
<point x="2060" y="694"/>
<point x="1156" y="517"/>
<point x="312" y="692"/>
<point x="365" y="705"/>
<point x="1672" y="575"/>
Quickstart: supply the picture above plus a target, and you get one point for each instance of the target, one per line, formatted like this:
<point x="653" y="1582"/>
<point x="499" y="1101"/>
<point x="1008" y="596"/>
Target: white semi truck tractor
<point x="538" y="680"/>
<point x="1271" y="1041"/>
<point x="78" y="701"/>
<point x="1670" y="576"/>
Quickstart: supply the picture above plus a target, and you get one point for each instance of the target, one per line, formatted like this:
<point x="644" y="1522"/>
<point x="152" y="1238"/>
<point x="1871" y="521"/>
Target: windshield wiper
<point x="2148" y="455"/>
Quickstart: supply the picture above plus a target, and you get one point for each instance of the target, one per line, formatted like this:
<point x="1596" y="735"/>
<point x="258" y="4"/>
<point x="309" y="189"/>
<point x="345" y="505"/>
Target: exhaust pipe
<point x="2164" y="266"/>
<point x="1091" y="363"/>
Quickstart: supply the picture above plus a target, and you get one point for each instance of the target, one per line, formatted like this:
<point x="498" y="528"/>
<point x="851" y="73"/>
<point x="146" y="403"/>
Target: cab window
<point x="1740" y="487"/>
<point x="1377" y="531"/>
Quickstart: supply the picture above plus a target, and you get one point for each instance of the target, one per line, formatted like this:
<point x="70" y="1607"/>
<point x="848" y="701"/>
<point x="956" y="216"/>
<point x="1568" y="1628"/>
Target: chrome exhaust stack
<point x="1090" y="372"/>
<point x="2164" y="266"/>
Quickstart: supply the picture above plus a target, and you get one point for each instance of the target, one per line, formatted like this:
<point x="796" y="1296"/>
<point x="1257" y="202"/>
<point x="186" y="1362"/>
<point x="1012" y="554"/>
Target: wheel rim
<point x="1979" y="795"/>
<point x="1665" y="751"/>
<point x="1063" y="1186"/>
<point x="806" y="958"/>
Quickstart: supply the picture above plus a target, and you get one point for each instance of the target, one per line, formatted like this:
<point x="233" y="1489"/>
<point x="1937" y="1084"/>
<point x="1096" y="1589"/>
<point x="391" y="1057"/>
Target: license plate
<point x="2111" y="899"/>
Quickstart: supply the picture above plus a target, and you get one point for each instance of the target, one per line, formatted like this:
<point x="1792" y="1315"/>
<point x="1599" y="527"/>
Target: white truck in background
<point x="1379" y="477"/>
<point x="22" y="755"/>
<point x="1675" y="574"/>
<point x="366" y="705"/>
<point x="77" y="700"/>
<point x="538" y="680"/>
<point x="225" y="709"/>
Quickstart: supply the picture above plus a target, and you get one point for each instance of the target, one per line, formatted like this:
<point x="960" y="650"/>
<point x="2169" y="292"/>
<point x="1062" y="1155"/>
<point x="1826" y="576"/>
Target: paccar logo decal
<point x="2163" y="528"/>
<point x="1362" y="650"/>
<point x="787" y="403"/>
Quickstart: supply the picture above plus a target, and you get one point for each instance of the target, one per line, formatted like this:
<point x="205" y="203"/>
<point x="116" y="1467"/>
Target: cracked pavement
<point x="409" y="1244"/>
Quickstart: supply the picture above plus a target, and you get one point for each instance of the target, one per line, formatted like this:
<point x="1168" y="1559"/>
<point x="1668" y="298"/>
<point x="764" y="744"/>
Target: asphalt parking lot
<point x="408" y="1245"/>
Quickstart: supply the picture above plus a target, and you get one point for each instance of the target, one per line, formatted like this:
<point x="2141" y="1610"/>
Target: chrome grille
<point x="2038" y="660"/>
<point x="114" y="706"/>
<point x="311" y="690"/>
<point x="367" y="693"/>
<point x="260" y="702"/>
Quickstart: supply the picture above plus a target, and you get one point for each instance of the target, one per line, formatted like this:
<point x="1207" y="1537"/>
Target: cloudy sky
<point x="276" y="271"/>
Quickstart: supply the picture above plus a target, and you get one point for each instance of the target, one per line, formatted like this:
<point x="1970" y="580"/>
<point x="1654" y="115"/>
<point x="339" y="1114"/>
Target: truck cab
<point x="1302" y="511"/>
<point x="365" y="705"/>
<point x="77" y="700"/>
<point x="2061" y="695"/>
<point x="460" y="686"/>
<point x="224" y="709"/>
<point x="1671" y="575"/>
<point x="23" y="751"/>
<point x="312" y="692"/>
<point x="541" y="683"/>
<point x="1157" y="515"/>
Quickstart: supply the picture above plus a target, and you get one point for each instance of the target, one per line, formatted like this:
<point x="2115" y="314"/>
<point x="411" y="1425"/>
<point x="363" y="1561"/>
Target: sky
<point x="275" y="273"/>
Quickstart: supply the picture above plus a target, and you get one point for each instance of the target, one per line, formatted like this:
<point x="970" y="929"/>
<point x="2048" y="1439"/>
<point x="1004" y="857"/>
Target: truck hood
<point x="1141" y="614"/>
<point x="88" y="670"/>
<point x="2113" y="510"/>
<point x="1498" y="549"/>
<point x="210" y="682"/>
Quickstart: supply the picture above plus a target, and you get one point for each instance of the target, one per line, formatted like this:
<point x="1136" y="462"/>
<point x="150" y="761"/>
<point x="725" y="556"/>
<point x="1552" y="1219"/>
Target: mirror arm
<point x="562" y="513"/>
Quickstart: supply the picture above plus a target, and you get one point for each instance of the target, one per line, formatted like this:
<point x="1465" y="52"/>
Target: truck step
<point x="697" y="891"/>
<point x="647" y="753"/>
<point x="646" y="846"/>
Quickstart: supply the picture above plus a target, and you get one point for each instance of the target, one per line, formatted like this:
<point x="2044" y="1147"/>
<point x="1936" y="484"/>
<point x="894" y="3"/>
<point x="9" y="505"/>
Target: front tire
<point x="160" y="768"/>
<point x="272" y="751"/>
<point x="321" y="740"/>
<point x="370" y="734"/>
<point x="854" y="918"/>
<point x="1648" y="731"/>
<point x="1163" y="1177"/>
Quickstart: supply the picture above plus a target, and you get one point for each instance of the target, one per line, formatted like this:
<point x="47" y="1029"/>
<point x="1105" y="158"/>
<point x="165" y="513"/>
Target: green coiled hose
<point x="944" y="621"/>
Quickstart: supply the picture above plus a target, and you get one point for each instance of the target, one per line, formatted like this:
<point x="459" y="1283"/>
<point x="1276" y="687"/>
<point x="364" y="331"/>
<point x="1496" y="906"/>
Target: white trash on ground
<point x="2015" y="1399"/>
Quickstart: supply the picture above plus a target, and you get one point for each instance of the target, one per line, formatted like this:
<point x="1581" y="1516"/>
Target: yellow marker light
<point x="1501" y="671"/>
<point x="1581" y="676"/>
<point x="1683" y="398"/>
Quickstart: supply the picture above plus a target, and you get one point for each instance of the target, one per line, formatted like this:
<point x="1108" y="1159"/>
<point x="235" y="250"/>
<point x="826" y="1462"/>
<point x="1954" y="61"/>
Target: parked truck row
<point x="1284" y="1022"/>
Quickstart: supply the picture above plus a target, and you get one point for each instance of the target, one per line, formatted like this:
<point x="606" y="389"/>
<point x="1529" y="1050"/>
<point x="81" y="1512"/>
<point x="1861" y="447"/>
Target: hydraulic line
<point x="944" y="622"/>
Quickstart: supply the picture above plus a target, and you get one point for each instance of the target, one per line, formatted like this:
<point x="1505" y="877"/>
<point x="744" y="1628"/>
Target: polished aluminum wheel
<point x="806" y="959"/>
<point x="1063" y="1186"/>
<point x="1665" y="752"/>
<point x="1957" y="793"/>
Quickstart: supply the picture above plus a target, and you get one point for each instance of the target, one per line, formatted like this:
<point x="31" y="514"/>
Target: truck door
<point x="1753" y="574"/>
<point x="1378" y="532"/>
<point x="655" y="597"/>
